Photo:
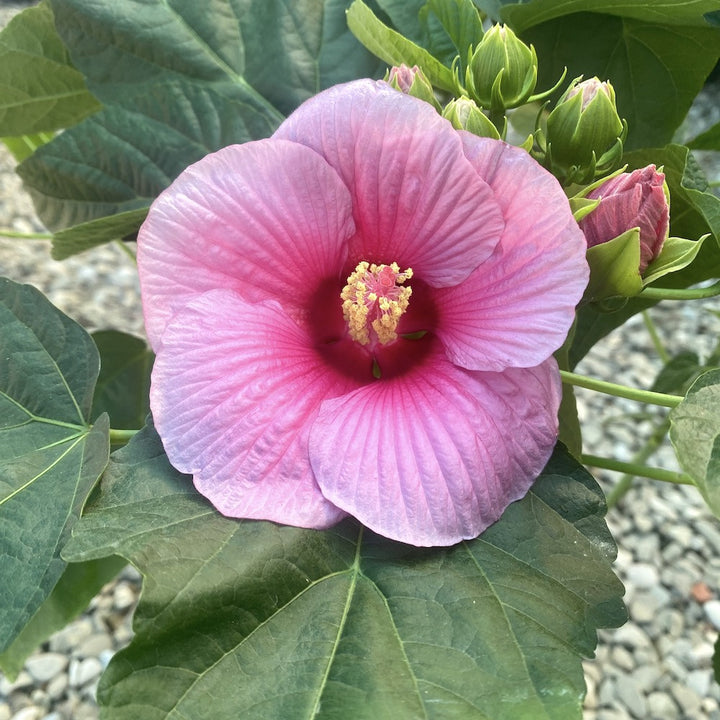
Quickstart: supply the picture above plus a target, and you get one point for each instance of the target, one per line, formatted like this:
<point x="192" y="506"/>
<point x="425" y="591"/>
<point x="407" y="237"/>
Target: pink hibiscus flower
<point x="357" y="316"/>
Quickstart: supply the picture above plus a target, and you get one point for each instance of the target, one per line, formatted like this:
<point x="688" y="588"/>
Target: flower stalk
<point x="608" y="388"/>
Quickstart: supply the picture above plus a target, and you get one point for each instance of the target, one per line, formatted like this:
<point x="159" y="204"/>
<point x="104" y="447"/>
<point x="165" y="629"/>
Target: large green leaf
<point x="50" y="457"/>
<point x="278" y="622"/>
<point x="657" y="55"/>
<point x="668" y="12"/>
<point x="695" y="435"/>
<point x="77" y="586"/>
<point x="40" y="90"/>
<point x="124" y="381"/>
<point x="178" y="80"/>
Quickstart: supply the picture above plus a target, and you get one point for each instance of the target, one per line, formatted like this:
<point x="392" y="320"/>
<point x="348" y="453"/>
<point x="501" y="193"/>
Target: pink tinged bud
<point x="402" y="77"/>
<point x="589" y="89"/>
<point x="629" y="200"/>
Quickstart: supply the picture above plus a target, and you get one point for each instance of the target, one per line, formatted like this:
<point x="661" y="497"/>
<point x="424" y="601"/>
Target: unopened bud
<point x="584" y="132"/>
<point x="502" y="72"/>
<point x="464" y="114"/>
<point x="412" y="81"/>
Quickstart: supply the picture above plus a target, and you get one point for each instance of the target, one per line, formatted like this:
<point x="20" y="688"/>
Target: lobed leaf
<point x="40" y="90"/>
<point x="274" y="621"/>
<point x="695" y="435"/>
<point x="50" y="457"/>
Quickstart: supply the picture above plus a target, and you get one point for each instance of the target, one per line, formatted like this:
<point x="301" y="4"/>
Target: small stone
<point x="631" y="636"/>
<point x="606" y="693"/>
<point x="630" y="696"/>
<point x="661" y="707"/>
<point x="644" y="607"/>
<point x="93" y="645"/>
<point x="54" y="716"/>
<point x="21" y="682"/>
<point x="645" y="677"/>
<point x="686" y="699"/>
<point x="642" y="576"/>
<point x="622" y="658"/>
<point x="124" y="596"/>
<point x="83" y="672"/>
<point x="712" y="612"/>
<point x="57" y="686"/>
<point x="45" y="666"/>
<point x="31" y="712"/>
<point x="71" y="636"/>
<point x="5" y="712"/>
<point x="701" y="592"/>
<point x="699" y="682"/>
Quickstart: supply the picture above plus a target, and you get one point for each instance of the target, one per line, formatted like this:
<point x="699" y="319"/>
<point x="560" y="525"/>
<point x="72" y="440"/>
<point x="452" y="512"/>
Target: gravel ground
<point x="656" y="667"/>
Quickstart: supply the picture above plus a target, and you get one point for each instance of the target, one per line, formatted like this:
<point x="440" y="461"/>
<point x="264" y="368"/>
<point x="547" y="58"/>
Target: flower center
<point x="374" y="301"/>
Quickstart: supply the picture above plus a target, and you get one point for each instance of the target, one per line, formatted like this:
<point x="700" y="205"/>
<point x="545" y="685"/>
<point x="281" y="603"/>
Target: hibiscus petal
<point x="417" y="201"/>
<point x="269" y="219"/>
<point x="235" y="388"/>
<point x="517" y="307"/>
<point x="435" y="456"/>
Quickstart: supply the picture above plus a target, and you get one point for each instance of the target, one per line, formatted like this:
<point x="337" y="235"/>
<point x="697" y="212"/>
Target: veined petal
<point x="436" y="455"/>
<point x="517" y="307"/>
<point x="269" y="219"/>
<point x="417" y="200"/>
<point x="235" y="389"/>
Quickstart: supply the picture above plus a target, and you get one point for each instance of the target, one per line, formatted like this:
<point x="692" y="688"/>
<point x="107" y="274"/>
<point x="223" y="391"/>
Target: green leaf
<point x="279" y="622"/>
<point x="656" y="68"/>
<point x="40" y="90"/>
<point x="695" y="435"/>
<point x="23" y="146"/>
<point x="78" y="584"/>
<point x="124" y="381"/>
<point x="393" y="48"/>
<point x="461" y="21"/>
<point x="677" y="374"/>
<point x="50" y="457"/>
<point x="668" y="12"/>
<point x="178" y="81"/>
<point x="121" y="158"/>
<point x="92" y="233"/>
<point x="677" y="253"/>
<point x="708" y="140"/>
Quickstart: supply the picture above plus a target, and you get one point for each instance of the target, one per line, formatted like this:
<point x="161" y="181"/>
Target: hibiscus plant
<point x="373" y="241"/>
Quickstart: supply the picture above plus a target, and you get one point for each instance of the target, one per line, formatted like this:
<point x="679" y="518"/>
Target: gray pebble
<point x="93" y="645"/>
<point x="83" y="672"/>
<point x="5" y="712"/>
<point x="699" y="682"/>
<point x="712" y="612"/>
<point x="686" y="699"/>
<point x="661" y="707"/>
<point x="45" y="666"/>
<point x="642" y="576"/>
<point x="630" y="696"/>
<point x="31" y="712"/>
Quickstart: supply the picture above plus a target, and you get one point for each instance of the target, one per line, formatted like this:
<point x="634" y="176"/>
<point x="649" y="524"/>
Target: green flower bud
<point x="502" y="72"/>
<point x="412" y="81"/>
<point x="464" y="114"/>
<point x="585" y="134"/>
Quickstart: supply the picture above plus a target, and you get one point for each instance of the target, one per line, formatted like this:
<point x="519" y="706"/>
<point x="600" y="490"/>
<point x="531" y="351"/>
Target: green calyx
<point x="585" y="135"/>
<point x="464" y="114"/>
<point x="502" y="72"/>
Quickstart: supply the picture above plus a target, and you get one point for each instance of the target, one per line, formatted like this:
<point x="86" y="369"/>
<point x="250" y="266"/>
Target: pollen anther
<point x="374" y="300"/>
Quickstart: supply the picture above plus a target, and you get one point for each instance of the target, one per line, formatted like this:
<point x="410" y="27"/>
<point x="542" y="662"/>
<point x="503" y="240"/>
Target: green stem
<point x="653" y="293"/>
<point x="637" y="469"/>
<point x="644" y="396"/>
<point x="655" y="337"/>
<point x="25" y="236"/>
<point x="118" y="437"/>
